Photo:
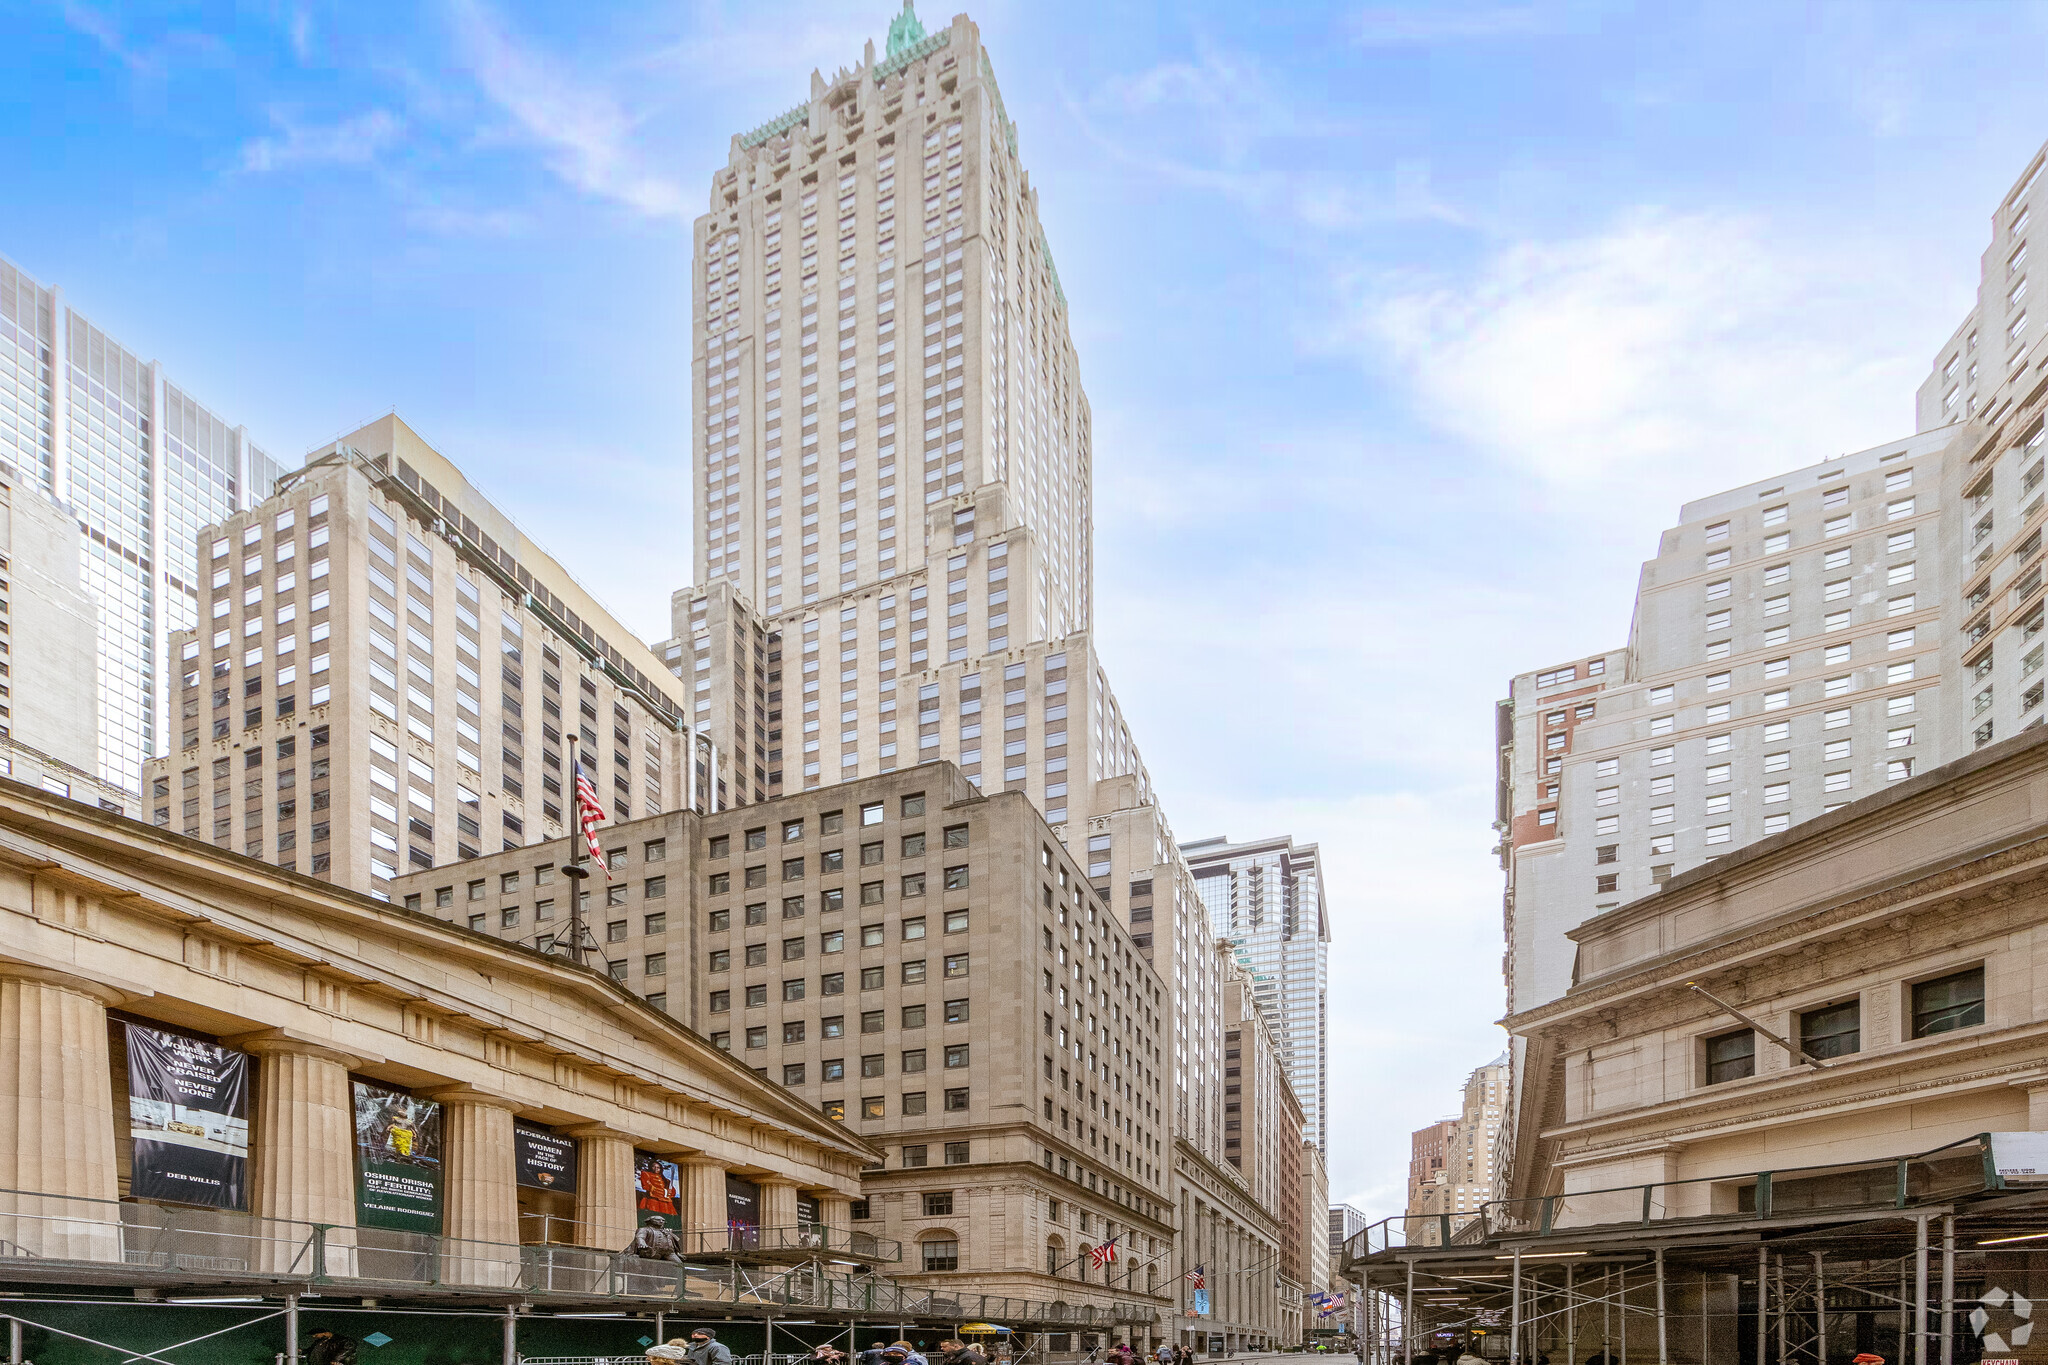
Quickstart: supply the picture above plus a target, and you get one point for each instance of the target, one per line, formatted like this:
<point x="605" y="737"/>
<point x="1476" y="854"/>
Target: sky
<point x="1405" y="328"/>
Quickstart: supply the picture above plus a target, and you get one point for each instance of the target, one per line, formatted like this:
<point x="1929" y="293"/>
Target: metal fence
<point x="59" y="1238"/>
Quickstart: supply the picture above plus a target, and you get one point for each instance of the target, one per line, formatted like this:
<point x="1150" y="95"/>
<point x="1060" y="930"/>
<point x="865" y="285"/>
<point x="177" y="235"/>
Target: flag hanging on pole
<point x="1102" y="1255"/>
<point x="589" y="815"/>
<point x="1196" y="1276"/>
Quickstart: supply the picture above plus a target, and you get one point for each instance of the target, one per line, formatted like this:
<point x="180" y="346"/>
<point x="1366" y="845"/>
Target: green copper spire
<point x="904" y="30"/>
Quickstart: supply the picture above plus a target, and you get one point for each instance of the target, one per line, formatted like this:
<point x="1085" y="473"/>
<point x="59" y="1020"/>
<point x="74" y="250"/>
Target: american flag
<point x="589" y="815"/>
<point x="1102" y="1255"/>
<point x="1196" y="1276"/>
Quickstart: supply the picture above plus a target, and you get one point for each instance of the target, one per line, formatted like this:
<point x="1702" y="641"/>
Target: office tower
<point x="388" y="675"/>
<point x="1262" y="1131"/>
<point x="1264" y="898"/>
<point x="1346" y="1222"/>
<point x="1314" y="1230"/>
<point x="1783" y="660"/>
<point x="1429" y="1160"/>
<point x="49" y="652"/>
<point x="894" y="459"/>
<point x="927" y="965"/>
<point x="1451" y="1169"/>
<point x="143" y="467"/>
<point x="1988" y="381"/>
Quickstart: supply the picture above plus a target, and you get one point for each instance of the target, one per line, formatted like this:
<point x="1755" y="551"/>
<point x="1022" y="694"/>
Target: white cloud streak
<point x="587" y="136"/>
<point x="352" y="142"/>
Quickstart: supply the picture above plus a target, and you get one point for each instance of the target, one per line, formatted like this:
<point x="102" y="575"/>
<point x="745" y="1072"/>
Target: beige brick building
<point x="925" y="964"/>
<point x="379" y="607"/>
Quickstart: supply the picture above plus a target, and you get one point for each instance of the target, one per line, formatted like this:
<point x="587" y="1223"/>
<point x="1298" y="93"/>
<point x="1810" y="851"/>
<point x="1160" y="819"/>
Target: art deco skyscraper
<point x="894" y="457"/>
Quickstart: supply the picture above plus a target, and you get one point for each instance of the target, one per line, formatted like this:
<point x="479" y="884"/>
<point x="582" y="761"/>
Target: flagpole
<point x="574" y="869"/>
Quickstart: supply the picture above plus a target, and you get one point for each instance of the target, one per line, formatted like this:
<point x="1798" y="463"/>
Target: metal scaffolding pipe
<point x="1920" y="1290"/>
<point x="511" y="1335"/>
<point x="1571" y="1315"/>
<point x="291" y="1331"/>
<point x="1820" y="1308"/>
<point x="1408" y="1315"/>
<point x="1607" y="1312"/>
<point x="1784" y="1319"/>
<point x="1663" y="1342"/>
<point x="1515" y="1313"/>
<point x="14" y="1356"/>
<point x="1763" y="1305"/>
<point x="1948" y="1288"/>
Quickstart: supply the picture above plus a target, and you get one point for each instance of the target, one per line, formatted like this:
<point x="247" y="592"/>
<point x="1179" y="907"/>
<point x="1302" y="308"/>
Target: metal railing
<point x="802" y="1239"/>
<point x="1960" y="1168"/>
<point x="64" y="1238"/>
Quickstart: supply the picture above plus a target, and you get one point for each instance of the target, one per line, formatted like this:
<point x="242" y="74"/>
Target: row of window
<point x="1940" y="1005"/>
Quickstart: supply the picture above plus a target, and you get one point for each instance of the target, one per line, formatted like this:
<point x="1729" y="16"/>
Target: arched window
<point x="941" y="1251"/>
<point x="1055" y="1255"/>
<point x="1081" y="1262"/>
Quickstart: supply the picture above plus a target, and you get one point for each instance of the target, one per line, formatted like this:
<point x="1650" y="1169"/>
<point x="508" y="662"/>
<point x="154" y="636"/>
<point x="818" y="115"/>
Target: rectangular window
<point x="1718" y="590"/>
<point x="1730" y="1056"/>
<point x="1718" y="834"/>
<point x="1948" y="1002"/>
<point x="1832" y="1030"/>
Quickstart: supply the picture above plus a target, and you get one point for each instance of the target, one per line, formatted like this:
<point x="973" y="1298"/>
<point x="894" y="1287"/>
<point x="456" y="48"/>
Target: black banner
<point x="742" y="1210"/>
<point x="188" y="1111"/>
<point x="806" y="1208"/>
<point x="544" y="1160"/>
<point x="398" y="1160"/>
<point x="660" y="1184"/>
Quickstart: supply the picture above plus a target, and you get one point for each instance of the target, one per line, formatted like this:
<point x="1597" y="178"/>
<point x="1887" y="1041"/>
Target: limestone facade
<point x="103" y="918"/>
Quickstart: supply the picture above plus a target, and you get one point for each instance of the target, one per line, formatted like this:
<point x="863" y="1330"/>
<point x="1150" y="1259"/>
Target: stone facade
<point x="923" y="963"/>
<point x="99" y="914"/>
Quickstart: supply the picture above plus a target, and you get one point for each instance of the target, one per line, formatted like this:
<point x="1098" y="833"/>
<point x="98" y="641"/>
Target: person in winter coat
<point x="873" y="1354"/>
<point x="911" y="1355"/>
<point x="706" y="1349"/>
<point x="326" y="1348"/>
<point x="955" y="1352"/>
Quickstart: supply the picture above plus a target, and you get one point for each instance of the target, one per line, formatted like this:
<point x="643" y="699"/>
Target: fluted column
<point x="778" y="1211"/>
<point x="301" y="1155"/>
<point x="57" y="1117"/>
<point x="835" y="1211"/>
<point x="480" y="1193"/>
<point x="704" y="1204"/>
<point x="606" y="1206"/>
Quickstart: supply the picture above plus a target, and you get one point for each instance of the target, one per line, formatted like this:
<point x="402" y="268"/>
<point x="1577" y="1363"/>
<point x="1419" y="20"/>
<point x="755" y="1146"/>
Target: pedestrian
<point x="911" y="1355"/>
<point x="665" y="1354"/>
<point x="827" y="1354"/>
<point x="654" y="1241"/>
<point x="873" y="1354"/>
<point x="324" y="1347"/>
<point x="706" y="1349"/>
<point x="953" y="1351"/>
<point x="1166" y="1355"/>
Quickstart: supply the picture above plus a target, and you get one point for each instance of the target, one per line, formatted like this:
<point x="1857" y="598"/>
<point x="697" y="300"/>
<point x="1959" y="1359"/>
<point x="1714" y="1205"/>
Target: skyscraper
<point x="894" y="462"/>
<point x="1264" y="898"/>
<point x="142" y="467"/>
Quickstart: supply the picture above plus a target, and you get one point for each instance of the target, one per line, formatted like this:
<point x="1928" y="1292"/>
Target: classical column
<point x="778" y="1211"/>
<point x="57" y="1117"/>
<point x="2037" y="1104"/>
<point x="704" y="1205"/>
<point x="302" y="1154"/>
<point x="835" y="1212"/>
<point x="480" y="1218"/>
<point x="606" y="1204"/>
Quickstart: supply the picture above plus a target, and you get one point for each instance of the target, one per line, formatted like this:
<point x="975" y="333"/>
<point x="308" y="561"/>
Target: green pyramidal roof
<point x="904" y="30"/>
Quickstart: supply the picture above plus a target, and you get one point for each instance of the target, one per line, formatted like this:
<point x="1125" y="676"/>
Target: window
<point x="1839" y="620"/>
<point x="1719" y="744"/>
<point x="873" y="1107"/>
<point x="871" y="813"/>
<point x="835" y="1110"/>
<point x="956" y="1101"/>
<point x="913" y="1061"/>
<point x="1730" y="1056"/>
<point x="937" y="1204"/>
<point x="1777" y="668"/>
<point x="1662" y="725"/>
<point x="1832" y="1030"/>
<point x="1717" y="772"/>
<point x="956" y="1055"/>
<point x="757" y="1036"/>
<point x="1718" y="589"/>
<point x="1837" y="526"/>
<point x="1607" y="796"/>
<point x="1660" y="696"/>
<point x="1718" y="682"/>
<point x="940" y="1253"/>
<point x="1948" y="1002"/>
<point x="1717" y="531"/>
<point x="956" y="878"/>
<point x="1663" y="815"/>
<point x="956" y="1012"/>
<point x="1836" y="781"/>
<point x="793" y="1031"/>
<point x="913" y="973"/>
<point x="1775" y="516"/>
<point x="1718" y="834"/>
<point x="1777" y="701"/>
<point x="956" y="1154"/>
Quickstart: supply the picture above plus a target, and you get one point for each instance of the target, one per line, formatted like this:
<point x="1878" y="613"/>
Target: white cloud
<point x="587" y="134"/>
<point x="1685" y="352"/>
<point x="352" y="142"/>
<point x="1403" y="26"/>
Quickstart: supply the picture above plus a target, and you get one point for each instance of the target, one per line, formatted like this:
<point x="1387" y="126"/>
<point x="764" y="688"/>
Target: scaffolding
<point x="1808" y="1267"/>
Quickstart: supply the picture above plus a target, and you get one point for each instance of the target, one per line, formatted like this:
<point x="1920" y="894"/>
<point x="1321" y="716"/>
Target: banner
<point x="661" y="1187"/>
<point x="398" y="1160"/>
<point x="1201" y="1303"/>
<point x="188" y="1111"/>
<point x="543" y="1158"/>
<point x="806" y="1209"/>
<point x="742" y="1210"/>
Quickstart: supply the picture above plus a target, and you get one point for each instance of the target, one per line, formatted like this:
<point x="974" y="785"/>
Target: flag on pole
<point x="1196" y="1276"/>
<point x="589" y="815"/>
<point x="1102" y="1255"/>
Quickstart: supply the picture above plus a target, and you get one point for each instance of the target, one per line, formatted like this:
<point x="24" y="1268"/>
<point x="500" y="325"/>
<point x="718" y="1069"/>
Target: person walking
<point x="953" y="1351"/>
<point x="706" y="1349"/>
<point x="873" y="1354"/>
<point x="324" y="1347"/>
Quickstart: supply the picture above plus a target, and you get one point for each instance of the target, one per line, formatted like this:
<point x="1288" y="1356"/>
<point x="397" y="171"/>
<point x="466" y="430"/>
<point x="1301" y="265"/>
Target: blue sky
<point x="1405" y="327"/>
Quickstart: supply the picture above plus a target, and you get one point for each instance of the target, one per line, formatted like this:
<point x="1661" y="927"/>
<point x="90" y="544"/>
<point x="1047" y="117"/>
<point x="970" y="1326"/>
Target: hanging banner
<point x="188" y="1111"/>
<point x="398" y="1160"/>
<point x="806" y="1209"/>
<point x="661" y="1187"/>
<point x="742" y="1211"/>
<point x="543" y="1158"/>
<point x="1201" y="1303"/>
